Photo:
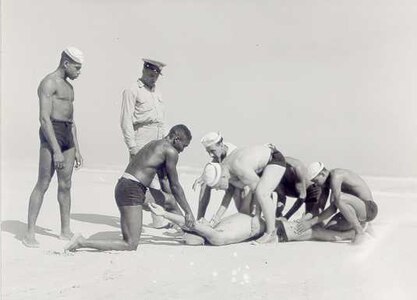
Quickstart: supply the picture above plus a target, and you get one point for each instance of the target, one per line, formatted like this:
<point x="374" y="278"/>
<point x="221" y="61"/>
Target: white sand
<point x="162" y="268"/>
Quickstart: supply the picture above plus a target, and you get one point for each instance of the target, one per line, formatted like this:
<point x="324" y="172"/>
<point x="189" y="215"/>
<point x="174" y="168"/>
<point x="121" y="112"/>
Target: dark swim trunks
<point x="371" y="210"/>
<point x="276" y="157"/>
<point x="129" y="192"/>
<point x="63" y="134"/>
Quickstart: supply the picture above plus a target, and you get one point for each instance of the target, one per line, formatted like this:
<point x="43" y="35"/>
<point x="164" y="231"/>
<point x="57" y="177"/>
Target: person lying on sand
<point x="241" y="227"/>
<point x="157" y="157"/>
<point x="349" y="194"/>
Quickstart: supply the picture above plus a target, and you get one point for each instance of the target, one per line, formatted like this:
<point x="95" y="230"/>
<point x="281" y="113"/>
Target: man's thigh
<point x="131" y="222"/>
<point x="46" y="164"/>
<point x="69" y="158"/>
<point x="271" y="177"/>
<point x="357" y="204"/>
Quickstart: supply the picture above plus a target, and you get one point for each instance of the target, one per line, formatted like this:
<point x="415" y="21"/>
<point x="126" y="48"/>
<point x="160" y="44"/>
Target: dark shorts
<point x="281" y="233"/>
<point x="276" y="157"/>
<point x="63" y="134"/>
<point x="371" y="210"/>
<point x="129" y="192"/>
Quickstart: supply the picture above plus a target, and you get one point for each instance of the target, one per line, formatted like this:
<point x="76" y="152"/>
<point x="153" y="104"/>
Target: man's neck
<point x="150" y="87"/>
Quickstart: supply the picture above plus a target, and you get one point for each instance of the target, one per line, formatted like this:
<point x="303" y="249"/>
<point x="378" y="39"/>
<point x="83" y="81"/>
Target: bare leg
<point x="46" y="171"/>
<point x="64" y="193"/>
<point x="322" y="234"/>
<point x="269" y="181"/>
<point x="354" y="211"/>
<point x="158" y="197"/>
<point x="131" y="224"/>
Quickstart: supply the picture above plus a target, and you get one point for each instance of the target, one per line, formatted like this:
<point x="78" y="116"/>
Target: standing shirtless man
<point x="59" y="148"/>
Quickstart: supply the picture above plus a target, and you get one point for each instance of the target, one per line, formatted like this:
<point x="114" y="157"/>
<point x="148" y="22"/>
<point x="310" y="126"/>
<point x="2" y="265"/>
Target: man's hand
<point x="197" y="183"/>
<point x="156" y="209"/>
<point x="189" y="220"/>
<point x="134" y="150"/>
<point x="78" y="160"/>
<point x="303" y="225"/>
<point x="59" y="160"/>
<point x="214" y="221"/>
<point x="314" y="191"/>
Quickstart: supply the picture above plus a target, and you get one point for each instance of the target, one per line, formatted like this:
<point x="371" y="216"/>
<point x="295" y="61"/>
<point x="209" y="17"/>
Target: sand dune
<point x="164" y="268"/>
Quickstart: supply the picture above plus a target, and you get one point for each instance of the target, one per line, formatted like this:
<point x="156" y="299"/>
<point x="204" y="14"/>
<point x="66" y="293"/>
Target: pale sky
<point x="334" y="81"/>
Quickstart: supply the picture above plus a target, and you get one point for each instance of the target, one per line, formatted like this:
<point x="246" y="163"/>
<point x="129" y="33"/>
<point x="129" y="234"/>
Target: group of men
<point x="258" y="178"/>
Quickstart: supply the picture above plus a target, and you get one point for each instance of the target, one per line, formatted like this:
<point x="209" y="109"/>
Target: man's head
<point x="216" y="176"/>
<point x="213" y="142"/>
<point x="71" y="61"/>
<point x="151" y="71"/>
<point x="180" y="136"/>
<point x="317" y="173"/>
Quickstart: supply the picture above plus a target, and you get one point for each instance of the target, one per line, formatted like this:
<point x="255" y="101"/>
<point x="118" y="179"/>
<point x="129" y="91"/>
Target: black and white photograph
<point x="208" y="149"/>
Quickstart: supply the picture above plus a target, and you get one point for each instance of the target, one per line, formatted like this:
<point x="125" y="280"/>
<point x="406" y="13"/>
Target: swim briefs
<point x="63" y="134"/>
<point x="276" y="157"/>
<point x="129" y="192"/>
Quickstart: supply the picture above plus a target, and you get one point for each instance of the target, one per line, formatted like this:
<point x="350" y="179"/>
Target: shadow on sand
<point x="97" y="219"/>
<point x="102" y="220"/>
<point x="19" y="229"/>
<point x="144" y="238"/>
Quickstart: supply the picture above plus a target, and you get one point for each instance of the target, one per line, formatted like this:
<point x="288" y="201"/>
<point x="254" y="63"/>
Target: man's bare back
<point x="352" y="184"/>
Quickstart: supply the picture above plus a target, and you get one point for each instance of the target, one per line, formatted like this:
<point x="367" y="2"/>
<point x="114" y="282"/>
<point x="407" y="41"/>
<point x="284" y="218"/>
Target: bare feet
<point x="267" y="238"/>
<point x="360" y="238"/>
<point x="30" y="241"/>
<point x="74" y="243"/>
<point x="66" y="236"/>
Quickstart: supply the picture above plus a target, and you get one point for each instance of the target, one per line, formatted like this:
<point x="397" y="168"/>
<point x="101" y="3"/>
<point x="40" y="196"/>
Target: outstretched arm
<point x="223" y="206"/>
<point x="300" y="187"/>
<point x="203" y="200"/>
<point x="176" y="188"/>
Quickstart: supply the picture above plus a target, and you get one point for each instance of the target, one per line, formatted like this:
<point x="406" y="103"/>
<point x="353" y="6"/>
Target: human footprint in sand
<point x="59" y="150"/>
<point x="350" y="195"/>
<point x="260" y="168"/>
<point x="157" y="157"/>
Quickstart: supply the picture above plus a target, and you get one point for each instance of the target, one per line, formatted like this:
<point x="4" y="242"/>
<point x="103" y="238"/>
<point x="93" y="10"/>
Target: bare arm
<point x="300" y="187"/>
<point x="78" y="157"/>
<point x="46" y="91"/>
<point x="224" y="205"/>
<point x="335" y="186"/>
<point x="163" y="180"/>
<point x="176" y="188"/>
<point x="203" y="200"/>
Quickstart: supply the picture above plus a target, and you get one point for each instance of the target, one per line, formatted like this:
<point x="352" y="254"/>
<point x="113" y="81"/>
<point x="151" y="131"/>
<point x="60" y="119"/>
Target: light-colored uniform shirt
<point x="142" y="116"/>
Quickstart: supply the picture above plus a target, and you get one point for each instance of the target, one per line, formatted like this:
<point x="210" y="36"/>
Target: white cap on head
<point x="211" y="138"/>
<point x="212" y="173"/>
<point x="75" y="54"/>
<point x="314" y="169"/>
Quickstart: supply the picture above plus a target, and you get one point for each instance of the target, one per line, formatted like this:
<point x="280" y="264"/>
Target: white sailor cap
<point x="314" y="169"/>
<point x="75" y="54"/>
<point x="212" y="173"/>
<point x="211" y="138"/>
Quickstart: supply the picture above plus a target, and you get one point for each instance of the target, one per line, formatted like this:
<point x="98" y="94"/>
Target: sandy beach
<point x="164" y="268"/>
